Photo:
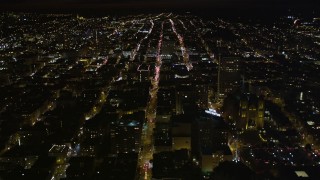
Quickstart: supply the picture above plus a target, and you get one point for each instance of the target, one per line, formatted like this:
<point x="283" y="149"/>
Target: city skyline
<point x="191" y="4"/>
<point x="142" y="90"/>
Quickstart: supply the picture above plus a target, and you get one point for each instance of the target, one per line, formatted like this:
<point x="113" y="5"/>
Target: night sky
<point x="158" y="4"/>
<point x="168" y="3"/>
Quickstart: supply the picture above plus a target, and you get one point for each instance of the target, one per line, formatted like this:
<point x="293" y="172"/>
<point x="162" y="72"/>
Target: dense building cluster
<point x="158" y="96"/>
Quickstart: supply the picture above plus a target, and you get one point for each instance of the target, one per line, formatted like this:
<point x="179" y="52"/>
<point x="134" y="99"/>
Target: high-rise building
<point x="125" y="134"/>
<point x="201" y="92"/>
<point x="230" y="74"/>
<point x="184" y="97"/>
<point x="211" y="139"/>
<point x="143" y="72"/>
<point x="181" y="132"/>
<point x="162" y="137"/>
<point x="165" y="104"/>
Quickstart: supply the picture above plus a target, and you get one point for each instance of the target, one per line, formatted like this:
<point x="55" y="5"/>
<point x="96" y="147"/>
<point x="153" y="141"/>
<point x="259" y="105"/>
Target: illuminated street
<point x="190" y="95"/>
<point x="146" y="153"/>
<point x="184" y="52"/>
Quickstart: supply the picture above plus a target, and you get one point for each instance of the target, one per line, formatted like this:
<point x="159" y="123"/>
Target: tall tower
<point x="242" y="84"/>
<point x="218" y="79"/>
<point x="243" y="112"/>
<point x="97" y="45"/>
<point x="260" y="113"/>
<point x="96" y="38"/>
<point x="64" y="41"/>
<point x="219" y="69"/>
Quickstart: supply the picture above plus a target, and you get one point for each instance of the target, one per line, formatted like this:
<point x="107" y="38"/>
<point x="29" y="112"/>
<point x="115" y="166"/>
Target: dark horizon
<point x="159" y="91"/>
<point x="249" y="12"/>
<point x="242" y="6"/>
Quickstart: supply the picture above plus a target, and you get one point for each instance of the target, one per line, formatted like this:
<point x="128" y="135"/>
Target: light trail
<point x="185" y="55"/>
<point x="191" y="23"/>
<point x="146" y="154"/>
<point x="184" y="27"/>
<point x="117" y="29"/>
<point x="209" y="52"/>
<point x="135" y="34"/>
<point x="113" y="33"/>
<point x="139" y="44"/>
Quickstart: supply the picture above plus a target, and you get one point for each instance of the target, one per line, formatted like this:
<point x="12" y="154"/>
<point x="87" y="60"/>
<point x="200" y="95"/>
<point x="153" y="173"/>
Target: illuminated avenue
<point x="158" y="96"/>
